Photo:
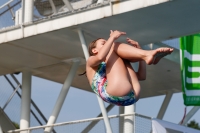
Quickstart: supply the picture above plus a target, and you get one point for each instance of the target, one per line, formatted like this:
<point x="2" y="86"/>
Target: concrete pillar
<point x="25" y="100"/>
<point x="62" y="95"/>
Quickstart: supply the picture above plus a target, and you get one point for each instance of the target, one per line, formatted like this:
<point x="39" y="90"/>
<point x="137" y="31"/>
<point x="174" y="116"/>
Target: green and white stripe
<point x="190" y="69"/>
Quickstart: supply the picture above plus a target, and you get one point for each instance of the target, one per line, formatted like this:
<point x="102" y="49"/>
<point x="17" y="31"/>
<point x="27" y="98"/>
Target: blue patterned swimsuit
<point x="99" y="85"/>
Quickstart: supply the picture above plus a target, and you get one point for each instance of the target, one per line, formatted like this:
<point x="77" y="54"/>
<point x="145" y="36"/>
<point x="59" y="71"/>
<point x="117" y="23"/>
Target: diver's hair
<point x="92" y="45"/>
<point x="81" y="74"/>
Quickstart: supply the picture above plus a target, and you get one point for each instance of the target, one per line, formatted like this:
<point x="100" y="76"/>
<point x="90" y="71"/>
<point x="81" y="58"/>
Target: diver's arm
<point x="103" y="52"/>
<point x="141" y="74"/>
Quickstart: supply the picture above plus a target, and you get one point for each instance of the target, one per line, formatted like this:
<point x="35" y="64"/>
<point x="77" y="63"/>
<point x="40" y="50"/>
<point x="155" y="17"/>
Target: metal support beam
<point x="33" y="104"/>
<point x="62" y="94"/>
<point x="17" y="3"/>
<point x="53" y="6"/>
<point x="68" y="4"/>
<point x="12" y="12"/>
<point x="101" y="104"/>
<point x="92" y="124"/>
<point x="190" y="114"/>
<point x="165" y="105"/>
<point x="99" y="1"/>
<point x="28" y="10"/>
<point x="25" y="100"/>
<point x="10" y="98"/>
<point x="1" y="129"/>
<point x="83" y="44"/>
<point x="6" y="4"/>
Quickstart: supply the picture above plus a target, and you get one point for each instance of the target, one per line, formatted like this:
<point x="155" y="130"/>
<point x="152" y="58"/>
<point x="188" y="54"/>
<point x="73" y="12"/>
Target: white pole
<point x="53" y="6"/>
<point x="129" y="120"/>
<point x="68" y="4"/>
<point x="190" y="114"/>
<point x="83" y="44"/>
<point x="165" y="105"/>
<point x="99" y="1"/>
<point x="28" y="10"/>
<point x="62" y="94"/>
<point x="25" y="100"/>
<point x="6" y="4"/>
<point x="121" y="119"/>
<point x="1" y="129"/>
<point x="101" y="104"/>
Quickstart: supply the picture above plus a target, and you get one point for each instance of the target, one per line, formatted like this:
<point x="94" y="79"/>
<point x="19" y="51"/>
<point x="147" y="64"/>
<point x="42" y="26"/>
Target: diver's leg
<point x="131" y="53"/>
<point x="133" y="79"/>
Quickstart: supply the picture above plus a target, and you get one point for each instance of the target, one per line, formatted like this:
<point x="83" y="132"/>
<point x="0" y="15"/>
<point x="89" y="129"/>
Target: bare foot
<point x="155" y="55"/>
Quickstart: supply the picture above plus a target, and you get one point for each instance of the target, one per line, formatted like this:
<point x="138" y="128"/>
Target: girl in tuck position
<point x="110" y="73"/>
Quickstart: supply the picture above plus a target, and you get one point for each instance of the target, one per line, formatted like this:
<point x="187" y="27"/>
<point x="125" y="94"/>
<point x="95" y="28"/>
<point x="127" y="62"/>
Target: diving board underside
<point x="47" y="43"/>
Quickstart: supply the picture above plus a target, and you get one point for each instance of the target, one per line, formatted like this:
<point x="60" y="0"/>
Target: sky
<point x="81" y="104"/>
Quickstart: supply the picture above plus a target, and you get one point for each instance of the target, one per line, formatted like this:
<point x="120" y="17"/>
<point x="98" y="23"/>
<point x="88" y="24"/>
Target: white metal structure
<point x="26" y="99"/>
<point x="145" y="119"/>
<point x="25" y="45"/>
<point x="6" y="4"/>
<point x="128" y="120"/>
<point x="190" y="114"/>
<point x="28" y="11"/>
<point x="1" y="129"/>
<point x="160" y="126"/>
<point x="146" y="124"/>
<point x="63" y="94"/>
<point x="165" y="105"/>
<point x="5" y="122"/>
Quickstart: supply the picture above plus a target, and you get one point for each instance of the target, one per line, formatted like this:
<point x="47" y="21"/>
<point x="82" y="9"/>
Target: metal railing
<point x="10" y="101"/>
<point x="141" y="123"/>
<point x="8" y="9"/>
<point x="11" y="11"/>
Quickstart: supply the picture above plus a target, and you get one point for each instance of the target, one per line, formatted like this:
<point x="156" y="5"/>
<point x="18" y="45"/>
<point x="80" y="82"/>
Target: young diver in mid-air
<point x="110" y="73"/>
